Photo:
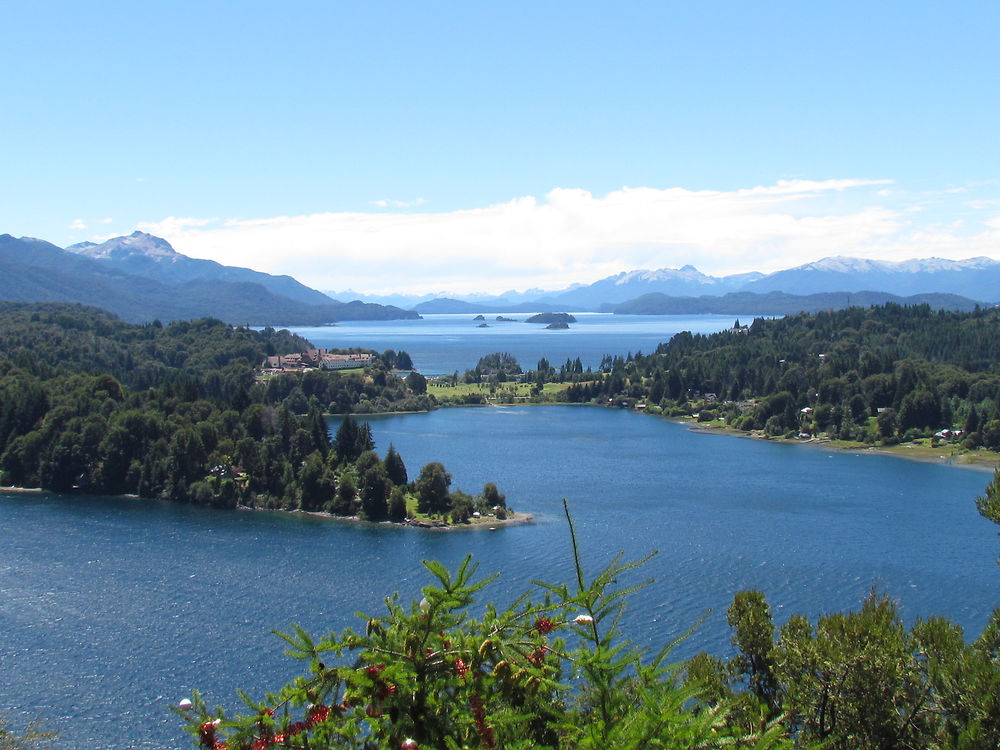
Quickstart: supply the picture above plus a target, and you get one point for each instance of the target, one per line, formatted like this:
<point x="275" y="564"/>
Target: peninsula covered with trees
<point x="91" y="403"/>
<point x="879" y="375"/>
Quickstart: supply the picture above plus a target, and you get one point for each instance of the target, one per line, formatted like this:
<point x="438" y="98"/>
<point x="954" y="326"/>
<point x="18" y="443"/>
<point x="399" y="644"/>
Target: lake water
<point x="442" y="344"/>
<point x="111" y="609"/>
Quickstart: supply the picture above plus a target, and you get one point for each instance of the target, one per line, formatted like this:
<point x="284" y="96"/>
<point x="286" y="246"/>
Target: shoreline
<point x="491" y="524"/>
<point x="984" y="461"/>
<point x="948" y="456"/>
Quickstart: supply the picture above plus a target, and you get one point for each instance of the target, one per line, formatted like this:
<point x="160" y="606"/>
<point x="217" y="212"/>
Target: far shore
<point x="946" y="455"/>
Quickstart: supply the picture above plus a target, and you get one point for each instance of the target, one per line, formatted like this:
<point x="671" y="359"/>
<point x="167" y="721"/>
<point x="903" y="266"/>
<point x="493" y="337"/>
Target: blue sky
<point x="482" y="146"/>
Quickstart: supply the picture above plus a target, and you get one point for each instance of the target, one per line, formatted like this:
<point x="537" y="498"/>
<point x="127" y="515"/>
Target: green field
<point x="506" y="393"/>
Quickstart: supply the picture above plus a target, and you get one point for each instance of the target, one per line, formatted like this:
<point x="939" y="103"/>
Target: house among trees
<point x="345" y="361"/>
<point x="317" y="358"/>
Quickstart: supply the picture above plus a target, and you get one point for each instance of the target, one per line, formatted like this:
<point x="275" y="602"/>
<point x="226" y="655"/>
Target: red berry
<point x="317" y="714"/>
<point x="544" y="625"/>
<point x="206" y="733"/>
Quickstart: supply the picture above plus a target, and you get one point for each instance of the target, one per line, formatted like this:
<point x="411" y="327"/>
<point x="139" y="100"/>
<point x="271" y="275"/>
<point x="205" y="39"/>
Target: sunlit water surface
<point x="110" y="609"/>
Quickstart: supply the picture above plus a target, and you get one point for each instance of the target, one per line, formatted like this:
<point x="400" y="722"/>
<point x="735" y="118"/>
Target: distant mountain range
<point x="975" y="279"/>
<point x="781" y="303"/>
<point x="142" y="278"/>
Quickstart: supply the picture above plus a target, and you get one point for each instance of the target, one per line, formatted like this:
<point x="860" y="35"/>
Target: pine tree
<point x="432" y="489"/>
<point x="397" y="505"/>
<point x="375" y="488"/>
<point x="394" y="466"/>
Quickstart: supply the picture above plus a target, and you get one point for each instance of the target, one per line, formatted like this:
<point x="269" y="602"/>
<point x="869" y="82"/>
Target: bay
<point x="441" y="344"/>
<point x="111" y="609"/>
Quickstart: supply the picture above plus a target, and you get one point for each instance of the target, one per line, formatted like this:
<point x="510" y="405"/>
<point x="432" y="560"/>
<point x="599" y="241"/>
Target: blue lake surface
<point x="111" y="609"/>
<point x="442" y="344"/>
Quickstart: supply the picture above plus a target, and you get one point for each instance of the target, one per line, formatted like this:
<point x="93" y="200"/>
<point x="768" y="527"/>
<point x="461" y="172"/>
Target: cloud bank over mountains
<point x="572" y="236"/>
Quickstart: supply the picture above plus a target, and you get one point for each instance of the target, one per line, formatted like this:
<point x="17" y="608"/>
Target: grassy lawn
<point x="503" y="392"/>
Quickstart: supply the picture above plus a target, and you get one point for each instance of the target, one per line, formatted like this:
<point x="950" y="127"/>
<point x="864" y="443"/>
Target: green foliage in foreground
<point x="553" y="671"/>
<point x="989" y="502"/>
<point x="861" y="679"/>
<point x="32" y="738"/>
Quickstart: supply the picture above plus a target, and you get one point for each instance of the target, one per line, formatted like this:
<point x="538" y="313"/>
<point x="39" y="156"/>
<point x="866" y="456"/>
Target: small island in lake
<point x="551" y="317"/>
<point x="479" y="317"/>
<point x="557" y="326"/>
<point x="483" y="325"/>
<point x="502" y="319"/>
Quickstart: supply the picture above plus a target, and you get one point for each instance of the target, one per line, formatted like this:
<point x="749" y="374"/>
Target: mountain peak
<point x="120" y="248"/>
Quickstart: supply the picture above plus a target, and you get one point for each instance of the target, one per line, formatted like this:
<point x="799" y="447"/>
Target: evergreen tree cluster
<point x="497" y="367"/>
<point x="373" y="392"/>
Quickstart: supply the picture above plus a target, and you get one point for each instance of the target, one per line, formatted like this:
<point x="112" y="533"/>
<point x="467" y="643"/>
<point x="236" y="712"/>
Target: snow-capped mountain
<point x="687" y="281"/>
<point x="976" y="278"/>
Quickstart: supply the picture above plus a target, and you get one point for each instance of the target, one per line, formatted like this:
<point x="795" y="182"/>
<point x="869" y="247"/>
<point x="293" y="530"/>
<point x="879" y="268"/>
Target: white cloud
<point x="104" y="221"/>
<point x="78" y="224"/>
<point x="574" y="236"/>
<point x="389" y="203"/>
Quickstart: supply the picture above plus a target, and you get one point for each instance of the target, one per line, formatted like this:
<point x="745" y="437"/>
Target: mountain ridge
<point x="782" y="303"/>
<point x="143" y="254"/>
<point x="33" y="270"/>
<point x="976" y="278"/>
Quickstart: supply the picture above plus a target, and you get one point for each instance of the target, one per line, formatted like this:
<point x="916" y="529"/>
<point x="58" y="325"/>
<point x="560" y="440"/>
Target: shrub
<point x="555" y="672"/>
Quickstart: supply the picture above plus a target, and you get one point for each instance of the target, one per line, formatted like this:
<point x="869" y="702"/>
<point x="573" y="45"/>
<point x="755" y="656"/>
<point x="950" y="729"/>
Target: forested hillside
<point x="878" y="374"/>
<point x="182" y="411"/>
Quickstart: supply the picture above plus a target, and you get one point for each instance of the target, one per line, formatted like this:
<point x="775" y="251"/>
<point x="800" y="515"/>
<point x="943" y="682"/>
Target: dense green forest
<point x="876" y="375"/>
<point x="180" y="411"/>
